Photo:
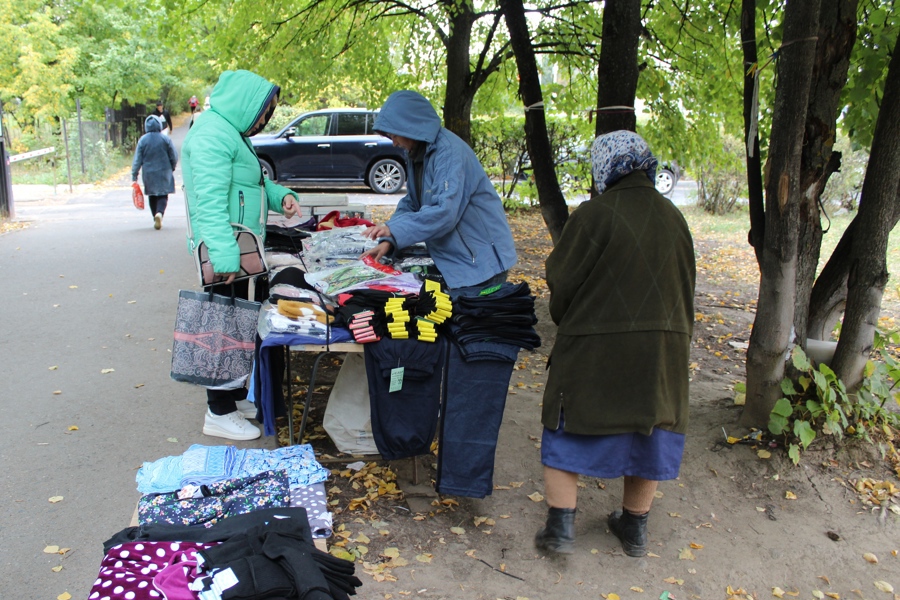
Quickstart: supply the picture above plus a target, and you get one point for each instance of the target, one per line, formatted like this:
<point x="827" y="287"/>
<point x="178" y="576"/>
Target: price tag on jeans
<point x="396" y="380"/>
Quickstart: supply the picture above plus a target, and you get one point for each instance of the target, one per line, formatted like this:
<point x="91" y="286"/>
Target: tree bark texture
<point x="868" y="262"/>
<point x="771" y="336"/>
<point x="829" y="294"/>
<point x="755" y="198"/>
<point x="553" y="203"/>
<point x="617" y="70"/>
<point x="837" y="35"/>
<point x="460" y="92"/>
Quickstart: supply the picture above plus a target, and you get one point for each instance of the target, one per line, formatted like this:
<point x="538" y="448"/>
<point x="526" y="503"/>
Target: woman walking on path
<point x="156" y="155"/>
<point x="621" y="285"/>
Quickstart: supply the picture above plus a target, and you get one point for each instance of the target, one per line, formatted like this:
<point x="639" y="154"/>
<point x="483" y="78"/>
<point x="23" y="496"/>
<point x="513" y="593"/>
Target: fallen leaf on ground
<point x="362" y="539"/>
<point x="652" y="555"/>
<point x="610" y="596"/>
<point x="686" y="554"/>
<point x="516" y="484"/>
<point x="73" y="427"/>
<point x="778" y="592"/>
<point x="870" y="558"/>
<point x="833" y="595"/>
<point x="674" y="515"/>
<point x="105" y="371"/>
<point x="173" y="440"/>
<point x="884" y="586"/>
<point x="637" y="589"/>
<point x="471" y="553"/>
<point x="790" y="495"/>
<point x="536" y="497"/>
<point x="457" y="530"/>
<point x="424" y="558"/>
<point x="674" y="581"/>
<point x="658" y="494"/>
<point x="140" y="385"/>
<point x="51" y="550"/>
<point x="64" y="596"/>
<point x="55" y="499"/>
<point x="696" y="546"/>
<point x="56" y="569"/>
<point x="391" y="552"/>
<point x="53" y="368"/>
<point x="57" y="392"/>
<point x="818" y="594"/>
<point x="764" y="454"/>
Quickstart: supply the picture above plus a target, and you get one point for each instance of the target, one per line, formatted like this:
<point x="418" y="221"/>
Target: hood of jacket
<point x="152" y="124"/>
<point x="241" y="98"/>
<point x="409" y="114"/>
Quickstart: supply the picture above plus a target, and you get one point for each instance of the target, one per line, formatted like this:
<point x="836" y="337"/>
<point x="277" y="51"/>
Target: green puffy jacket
<point x="222" y="176"/>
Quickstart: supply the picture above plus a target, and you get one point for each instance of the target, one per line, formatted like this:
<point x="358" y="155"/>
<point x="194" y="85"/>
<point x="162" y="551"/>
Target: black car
<point x="332" y="146"/>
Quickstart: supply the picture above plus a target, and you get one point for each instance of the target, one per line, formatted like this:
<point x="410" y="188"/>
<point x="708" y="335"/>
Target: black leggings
<point x="158" y="204"/>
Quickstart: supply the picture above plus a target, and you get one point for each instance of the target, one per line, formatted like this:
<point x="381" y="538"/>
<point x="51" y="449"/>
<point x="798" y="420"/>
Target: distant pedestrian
<point x="193" y="104"/>
<point x="156" y="156"/>
<point x="165" y="119"/>
<point x="621" y="281"/>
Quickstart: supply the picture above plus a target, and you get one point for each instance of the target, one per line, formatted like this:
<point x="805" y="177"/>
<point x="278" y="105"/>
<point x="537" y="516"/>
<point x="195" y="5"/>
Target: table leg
<point x="309" y="393"/>
<point x="290" y="398"/>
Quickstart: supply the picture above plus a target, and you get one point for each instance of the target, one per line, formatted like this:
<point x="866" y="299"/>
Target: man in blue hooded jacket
<point x="450" y="204"/>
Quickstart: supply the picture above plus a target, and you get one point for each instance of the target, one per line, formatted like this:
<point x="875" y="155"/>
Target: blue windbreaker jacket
<point x="458" y="213"/>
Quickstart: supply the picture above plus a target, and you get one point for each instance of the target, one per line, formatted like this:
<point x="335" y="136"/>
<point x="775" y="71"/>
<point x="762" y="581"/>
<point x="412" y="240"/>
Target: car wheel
<point x="665" y="181"/>
<point x="386" y="176"/>
<point x="268" y="171"/>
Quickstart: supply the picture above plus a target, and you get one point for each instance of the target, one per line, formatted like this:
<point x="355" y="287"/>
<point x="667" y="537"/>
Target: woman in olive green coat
<point x="224" y="184"/>
<point x="621" y="280"/>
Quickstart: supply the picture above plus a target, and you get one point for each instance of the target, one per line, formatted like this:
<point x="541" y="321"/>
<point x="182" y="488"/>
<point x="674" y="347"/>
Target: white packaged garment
<point x="347" y="417"/>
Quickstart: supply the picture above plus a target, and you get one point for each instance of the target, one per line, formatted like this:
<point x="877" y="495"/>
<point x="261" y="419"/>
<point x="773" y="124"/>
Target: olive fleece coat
<point x="222" y="177"/>
<point x="621" y="280"/>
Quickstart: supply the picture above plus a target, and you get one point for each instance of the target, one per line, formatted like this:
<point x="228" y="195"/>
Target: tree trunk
<point x="553" y="203"/>
<point x="460" y="91"/>
<point x="829" y="294"/>
<point x="771" y="336"/>
<point x="755" y="201"/>
<point x="837" y="35"/>
<point x="617" y="70"/>
<point x="868" y="261"/>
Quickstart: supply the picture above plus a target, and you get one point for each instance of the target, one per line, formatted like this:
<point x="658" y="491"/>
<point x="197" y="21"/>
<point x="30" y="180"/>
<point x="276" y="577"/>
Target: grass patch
<point x="100" y="163"/>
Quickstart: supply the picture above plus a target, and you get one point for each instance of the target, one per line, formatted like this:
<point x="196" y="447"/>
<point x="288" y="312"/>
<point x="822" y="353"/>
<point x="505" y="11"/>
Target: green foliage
<point x="722" y="178"/>
<point x="844" y="187"/>
<point x="817" y="404"/>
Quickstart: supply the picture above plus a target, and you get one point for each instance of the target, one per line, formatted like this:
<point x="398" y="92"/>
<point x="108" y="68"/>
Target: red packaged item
<point x="334" y="219"/>
<point x="137" y="196"/>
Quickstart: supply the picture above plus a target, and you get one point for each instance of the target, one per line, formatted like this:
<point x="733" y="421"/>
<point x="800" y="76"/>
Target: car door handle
<point x="324" y="146"/>
<point x="371" y="144"/>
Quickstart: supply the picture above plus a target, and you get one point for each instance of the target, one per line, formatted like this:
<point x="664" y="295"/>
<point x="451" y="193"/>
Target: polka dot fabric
<point x="314" y="499"/>
<point x="614" y="155"/>
<point x="127" y="571"/>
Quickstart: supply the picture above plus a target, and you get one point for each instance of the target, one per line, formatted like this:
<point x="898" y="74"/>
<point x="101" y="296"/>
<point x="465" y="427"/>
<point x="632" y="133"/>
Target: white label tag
<point x="224" y="580"/>
<point x="396" y="380"/>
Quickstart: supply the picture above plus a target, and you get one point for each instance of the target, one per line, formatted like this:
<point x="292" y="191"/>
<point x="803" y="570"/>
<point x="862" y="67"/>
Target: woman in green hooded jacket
<point x="224" y="184"/>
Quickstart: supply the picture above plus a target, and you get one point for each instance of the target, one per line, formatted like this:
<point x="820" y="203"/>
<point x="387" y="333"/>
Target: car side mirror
<point x="290" y="132"/>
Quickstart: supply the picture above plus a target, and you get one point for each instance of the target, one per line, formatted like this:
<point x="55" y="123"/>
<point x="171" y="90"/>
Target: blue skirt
<point x="656" y="456"/>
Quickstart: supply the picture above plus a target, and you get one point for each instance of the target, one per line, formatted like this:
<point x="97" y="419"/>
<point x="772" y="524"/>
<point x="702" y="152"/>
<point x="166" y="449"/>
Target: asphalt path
<point x="89" y="292"/>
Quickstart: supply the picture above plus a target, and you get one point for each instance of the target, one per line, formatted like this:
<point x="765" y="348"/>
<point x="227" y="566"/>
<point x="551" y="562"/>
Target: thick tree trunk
<point x="837" y="35"/>
<point x="617" y="70"/>
<point x="755" y="200"/>
<point x="553" y="203"/>
<point x="868" y="267"/>
<point x="829" y="294"/>
<point x="771" y="335"/>
<point x="460" y="91"/>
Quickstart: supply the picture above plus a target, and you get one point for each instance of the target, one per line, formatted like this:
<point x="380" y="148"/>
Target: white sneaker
<point x="157" y="221"/>
<point x="246" y="408"/>
<point x="232" y="426"/>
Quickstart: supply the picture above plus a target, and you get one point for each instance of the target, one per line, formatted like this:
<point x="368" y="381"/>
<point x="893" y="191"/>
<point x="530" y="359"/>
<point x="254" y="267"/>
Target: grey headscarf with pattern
<point x="616" y="154"/>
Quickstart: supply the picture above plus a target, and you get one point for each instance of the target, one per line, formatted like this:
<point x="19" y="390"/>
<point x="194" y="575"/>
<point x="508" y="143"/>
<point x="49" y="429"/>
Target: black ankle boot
<point x="558" y="535"/>
<point x="631" y="531"/>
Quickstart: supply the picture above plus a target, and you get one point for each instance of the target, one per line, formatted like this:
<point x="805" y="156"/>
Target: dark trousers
<point x="158" y="205"/>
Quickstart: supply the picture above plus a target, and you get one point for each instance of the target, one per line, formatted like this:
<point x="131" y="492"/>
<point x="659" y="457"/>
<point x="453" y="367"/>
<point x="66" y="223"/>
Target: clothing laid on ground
<point x="451" y="204"/>
<point x="148" y="571"/>
<point x="621" y="279"/>
<point x="202" y="465"/>
<point x="207" y="504"/>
